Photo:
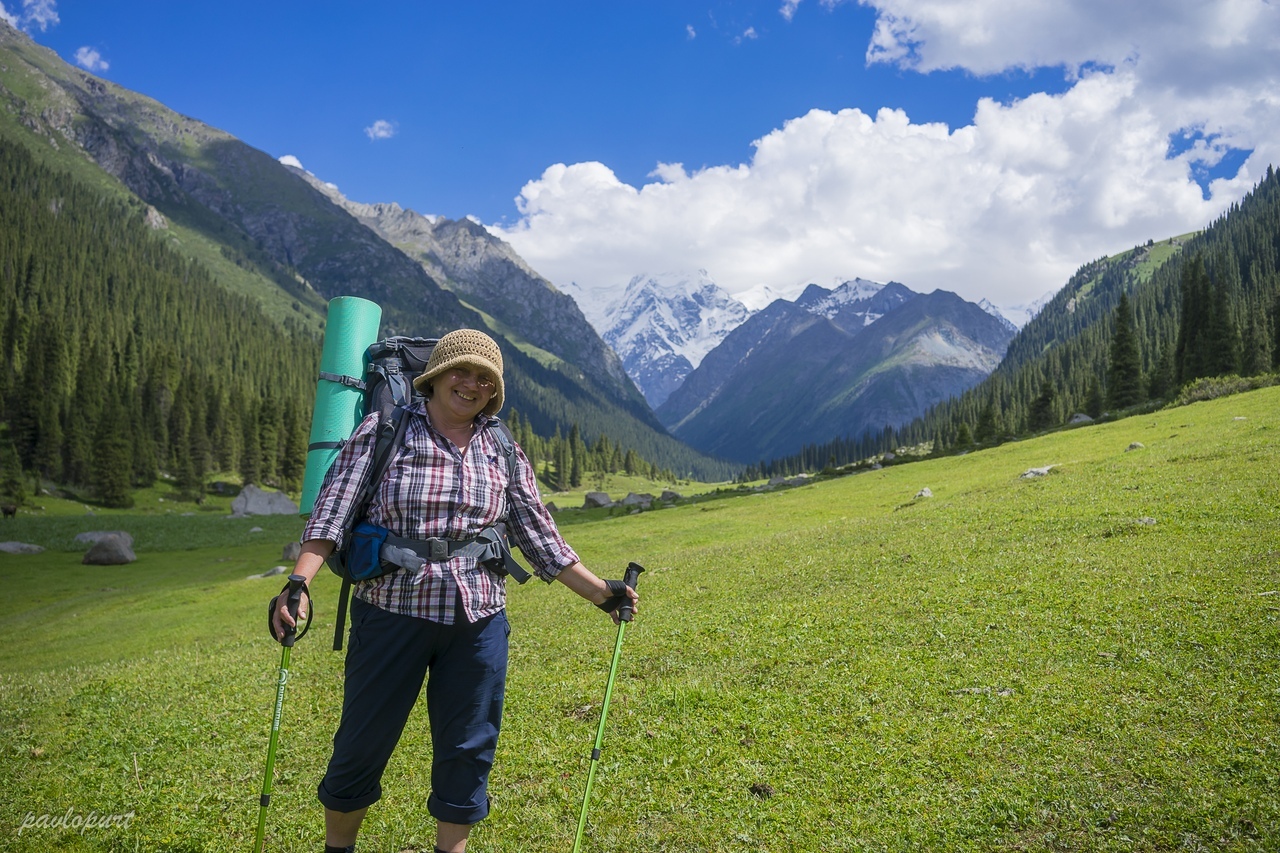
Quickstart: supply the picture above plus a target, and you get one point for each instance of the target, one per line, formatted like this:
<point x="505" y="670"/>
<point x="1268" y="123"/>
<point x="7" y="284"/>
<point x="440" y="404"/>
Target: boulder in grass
<point x="270" y="573"/>
<point x="669" y="496"/>
<point x="109" y="551"/>
<point x="643" y="501"/>
<point x="95" y="536"/>
<point x="291" y="551"/>
<point x="596" y="500"/>
<point x="254" y="501"/>
<point x="19" y="548"/>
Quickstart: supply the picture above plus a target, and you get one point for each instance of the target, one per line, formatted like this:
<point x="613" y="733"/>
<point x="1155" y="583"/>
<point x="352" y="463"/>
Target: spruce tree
<point x="1094" y="405"/>
<point x="1124" y="366"/>
<point x="112" y="461"/>
<point x="13" y="485"/>
<point x="988" y="428"/>
<point x="251" y="454"/>
<point x="1160" y="382"/>
<point x="1041" y="416"/>
<point x="1255" y="348"/>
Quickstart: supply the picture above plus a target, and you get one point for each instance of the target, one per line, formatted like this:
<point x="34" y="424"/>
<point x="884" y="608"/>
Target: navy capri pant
<point x="389" y="656"/>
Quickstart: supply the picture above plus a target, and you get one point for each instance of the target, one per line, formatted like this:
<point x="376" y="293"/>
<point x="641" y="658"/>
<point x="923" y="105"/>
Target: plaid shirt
<point x="433" y="489"/>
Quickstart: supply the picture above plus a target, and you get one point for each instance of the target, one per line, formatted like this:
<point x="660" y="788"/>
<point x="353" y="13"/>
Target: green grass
<point x="1014" y="664"/>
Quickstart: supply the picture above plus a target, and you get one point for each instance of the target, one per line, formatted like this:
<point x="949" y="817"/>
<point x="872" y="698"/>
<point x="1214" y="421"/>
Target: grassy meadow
<point x="1084" y="661"/>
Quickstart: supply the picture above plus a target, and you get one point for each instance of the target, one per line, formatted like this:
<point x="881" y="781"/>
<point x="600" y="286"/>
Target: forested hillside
<point x="1206" y="304"/>
<point x="125" y="358"/>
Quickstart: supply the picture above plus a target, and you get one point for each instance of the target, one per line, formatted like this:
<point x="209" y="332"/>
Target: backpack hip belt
<point x="489" y="548"/>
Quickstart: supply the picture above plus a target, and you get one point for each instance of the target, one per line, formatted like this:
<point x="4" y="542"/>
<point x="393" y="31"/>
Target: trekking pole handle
<point x="631" y="578"/>
<point x="297" y="583"/>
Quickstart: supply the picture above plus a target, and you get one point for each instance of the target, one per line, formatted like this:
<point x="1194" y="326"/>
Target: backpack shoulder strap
<point x="507" y="442"/>
<point x="391" y="432"/>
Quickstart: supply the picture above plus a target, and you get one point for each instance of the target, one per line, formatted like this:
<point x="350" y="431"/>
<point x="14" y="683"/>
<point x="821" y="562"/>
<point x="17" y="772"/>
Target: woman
<point x="450" y="480"/>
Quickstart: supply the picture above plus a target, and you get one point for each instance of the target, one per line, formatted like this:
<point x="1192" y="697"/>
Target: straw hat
<point x="466" y="346"/>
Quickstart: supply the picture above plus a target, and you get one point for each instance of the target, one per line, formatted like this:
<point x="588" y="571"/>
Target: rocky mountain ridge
<point x="487" y="274"/>
<point x="788" y="377"/>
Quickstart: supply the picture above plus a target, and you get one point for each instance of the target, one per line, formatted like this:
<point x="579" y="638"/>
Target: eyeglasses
<point x="483" y="381"/>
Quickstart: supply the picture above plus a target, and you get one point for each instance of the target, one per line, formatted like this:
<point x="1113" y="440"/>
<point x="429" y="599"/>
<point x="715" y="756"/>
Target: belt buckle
<point x="439" y="550"/>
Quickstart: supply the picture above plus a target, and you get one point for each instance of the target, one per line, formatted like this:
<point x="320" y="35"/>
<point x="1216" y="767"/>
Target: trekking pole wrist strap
<point x="275" y="603"/>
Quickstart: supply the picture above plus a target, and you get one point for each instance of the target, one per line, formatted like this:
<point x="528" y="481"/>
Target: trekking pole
<point x="297" y="583"/>
<point x="631" y="578"/>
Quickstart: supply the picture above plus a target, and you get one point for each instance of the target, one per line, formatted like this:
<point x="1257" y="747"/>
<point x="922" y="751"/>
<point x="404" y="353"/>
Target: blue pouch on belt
<point x="364" y="553"/>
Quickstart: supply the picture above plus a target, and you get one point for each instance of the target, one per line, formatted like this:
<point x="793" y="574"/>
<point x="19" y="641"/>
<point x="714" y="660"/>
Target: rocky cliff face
<point x="664" y="325"/>
<point x="485" y="272"/>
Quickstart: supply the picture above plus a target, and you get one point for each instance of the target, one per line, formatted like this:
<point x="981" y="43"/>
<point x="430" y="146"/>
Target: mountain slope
<point x="248" y="211"/>
<point x="487" y="274"/>
<point x="663" y="325"/>
<point x="787" y="377"/>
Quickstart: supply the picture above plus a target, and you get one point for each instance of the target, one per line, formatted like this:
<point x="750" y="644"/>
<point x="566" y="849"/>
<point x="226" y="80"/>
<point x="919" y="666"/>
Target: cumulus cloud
<point x="690" y="31"/>
<point x="35" y="15"/>
<point x="788" y="9"/>
<point x="380" y="129"/>
<point x="749" y="34"/>
<point x="1005" y="207"/>
<point x="90" y="59"/>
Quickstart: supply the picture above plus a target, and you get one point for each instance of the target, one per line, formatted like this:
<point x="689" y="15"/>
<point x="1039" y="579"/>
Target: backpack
<point x="391" y="365"/>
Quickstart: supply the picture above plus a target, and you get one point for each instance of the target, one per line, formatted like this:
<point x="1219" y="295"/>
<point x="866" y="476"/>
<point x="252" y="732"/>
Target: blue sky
<point x="942" y="144"/>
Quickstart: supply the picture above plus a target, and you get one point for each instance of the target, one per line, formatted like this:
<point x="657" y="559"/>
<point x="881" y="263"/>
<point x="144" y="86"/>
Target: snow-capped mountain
<point x="1016" y="316"/>
<point x="828" y="303"/>
<point x="663" y="326"/>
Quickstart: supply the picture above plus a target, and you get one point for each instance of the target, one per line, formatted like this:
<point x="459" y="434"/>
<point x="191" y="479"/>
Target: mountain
<point x="789" y="377"/>
<point x="487" y="274"/>
<point x="664" y="325"/>
<point x="1016" y="316"/>
<point x="265" y="231"/>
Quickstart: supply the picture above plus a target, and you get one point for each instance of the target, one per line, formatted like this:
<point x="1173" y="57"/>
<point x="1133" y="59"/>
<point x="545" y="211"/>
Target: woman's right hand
<point x="280" y="617"/>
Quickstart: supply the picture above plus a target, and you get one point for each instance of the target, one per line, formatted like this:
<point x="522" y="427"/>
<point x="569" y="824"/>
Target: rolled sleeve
<point x="341" y="485"/>
<point x="533" y="528"/>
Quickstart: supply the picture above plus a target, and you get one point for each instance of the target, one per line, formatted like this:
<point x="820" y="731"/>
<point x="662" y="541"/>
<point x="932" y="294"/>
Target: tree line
<point x="566" y="462"/>
<point x="1122" y="333"/>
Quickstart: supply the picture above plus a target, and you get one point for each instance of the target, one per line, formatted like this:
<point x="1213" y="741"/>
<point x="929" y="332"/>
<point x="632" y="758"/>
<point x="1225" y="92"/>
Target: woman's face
<point x="463" y="391"/>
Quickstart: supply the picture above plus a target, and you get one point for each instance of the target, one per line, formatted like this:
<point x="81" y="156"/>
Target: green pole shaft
<point x="595" y="753"/>
<point x="265" y="799"/>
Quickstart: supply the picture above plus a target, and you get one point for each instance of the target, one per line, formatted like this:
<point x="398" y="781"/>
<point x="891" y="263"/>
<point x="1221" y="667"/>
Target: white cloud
<point x="90" y="59"/>
<point x="749" y="34"/>
<point x="1006" y="207"/>
<point x="381" y="129"/>
<point x="39" y="14"/>
<point x="290" y="160"/>
<point x="35" y="15"/>
<point x="788" y="9"/>
<point x="692" y="33"/>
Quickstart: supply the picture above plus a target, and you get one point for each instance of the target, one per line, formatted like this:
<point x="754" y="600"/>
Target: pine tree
<point x="1124" y="367"/>
<point x="1093" y="400"/>
<point x="13" y="486"/>
<point x="1160" y="382"/>
<point x="988" y="428"/>
<point x="1190" y="357"/>
<point x="1041" y="416"/>
<point x="112" y="462"/>
<point x="251" y="455"/>
<point x="1255" y="349"/>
